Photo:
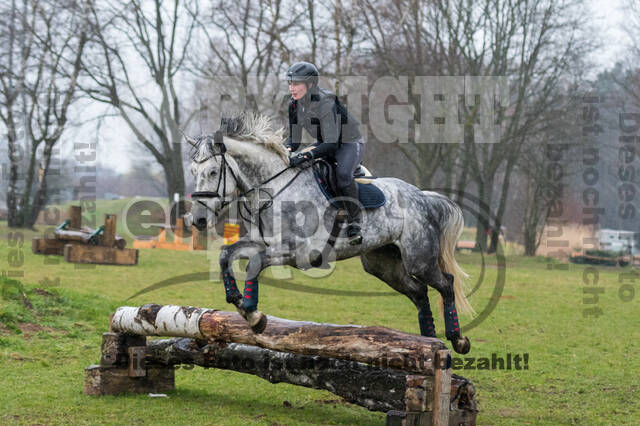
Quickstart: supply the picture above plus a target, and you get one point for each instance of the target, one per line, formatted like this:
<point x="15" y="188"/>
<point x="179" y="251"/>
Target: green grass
<point x="581" y="370"/>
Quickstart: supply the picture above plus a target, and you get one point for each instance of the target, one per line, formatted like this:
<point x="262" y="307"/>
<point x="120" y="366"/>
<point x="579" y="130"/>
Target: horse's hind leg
<point x="443" y="282"/>
<point x="386" y="264"/>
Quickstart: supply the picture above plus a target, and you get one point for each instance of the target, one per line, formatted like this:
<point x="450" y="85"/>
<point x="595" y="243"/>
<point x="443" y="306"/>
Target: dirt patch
<point x="510" y="413"/>
<point x="3" y="329"/>
<point x="29" y="329"/>
<point x="42" y="292"/>
<point x="333" y="402"/>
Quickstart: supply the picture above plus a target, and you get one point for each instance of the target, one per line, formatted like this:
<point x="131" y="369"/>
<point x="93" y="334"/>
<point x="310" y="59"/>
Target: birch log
<point x="370" y="345"/>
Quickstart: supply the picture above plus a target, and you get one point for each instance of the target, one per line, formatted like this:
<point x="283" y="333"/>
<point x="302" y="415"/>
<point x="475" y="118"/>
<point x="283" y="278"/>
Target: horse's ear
<point x="217" y="139"/>
<point x="191" y="140"/>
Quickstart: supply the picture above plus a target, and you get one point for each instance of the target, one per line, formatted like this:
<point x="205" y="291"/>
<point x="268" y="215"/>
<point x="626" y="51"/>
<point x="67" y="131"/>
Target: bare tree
<point x="533" y="43"/>
<point x="249" y="45"/>
<point x="137" y="61"/>
<point x="630" y="80"/>
<point x="43" y="44"/>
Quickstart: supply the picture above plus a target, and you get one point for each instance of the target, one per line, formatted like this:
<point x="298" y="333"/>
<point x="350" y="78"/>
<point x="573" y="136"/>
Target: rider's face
<point x="297" y="89"/>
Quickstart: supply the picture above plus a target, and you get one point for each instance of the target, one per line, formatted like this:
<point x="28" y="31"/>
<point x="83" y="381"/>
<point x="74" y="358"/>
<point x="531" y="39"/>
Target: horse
<point x="408" y="242"/>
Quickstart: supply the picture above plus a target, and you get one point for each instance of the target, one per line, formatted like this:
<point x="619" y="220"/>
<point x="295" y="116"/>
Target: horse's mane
<point x="253" y="128"/>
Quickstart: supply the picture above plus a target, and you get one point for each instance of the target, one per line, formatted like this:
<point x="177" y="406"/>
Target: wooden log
<point x="196" y="244"/>
<point x="72" y="235"/>
<point x="75" y="217"/>
<point x="80" y="253"/>
<point x="47" y="246"/>
<point x="371" y="345"/>
<point x="375" y="388"/>
<point x="115" y="346"/>
<point x="178" y="230"/>
<point x="83" y="236"/>
<point x="100" y="380"/>
<point x="442" y="388"/>
<point x="109" y="233"/>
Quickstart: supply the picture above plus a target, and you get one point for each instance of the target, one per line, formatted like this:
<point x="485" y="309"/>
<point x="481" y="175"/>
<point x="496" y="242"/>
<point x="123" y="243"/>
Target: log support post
<point x="122" y="368"/>
<point x="109" y="234"/>
<point x="75" y="217"/>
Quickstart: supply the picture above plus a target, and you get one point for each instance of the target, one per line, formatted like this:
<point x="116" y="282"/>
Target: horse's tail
<point x="451" y="231"/>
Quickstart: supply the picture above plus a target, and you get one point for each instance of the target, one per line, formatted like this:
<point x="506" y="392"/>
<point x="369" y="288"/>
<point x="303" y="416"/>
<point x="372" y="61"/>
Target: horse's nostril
<point x="201" y="223"/>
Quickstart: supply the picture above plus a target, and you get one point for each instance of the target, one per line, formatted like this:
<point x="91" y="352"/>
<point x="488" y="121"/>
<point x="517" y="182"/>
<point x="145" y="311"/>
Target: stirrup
<point x="354" y="235"/>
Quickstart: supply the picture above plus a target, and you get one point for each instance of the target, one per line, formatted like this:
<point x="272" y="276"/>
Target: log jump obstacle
<point x="405" y="375"/>
<point x="195" y="242"/>
<point x="80" y="244"/>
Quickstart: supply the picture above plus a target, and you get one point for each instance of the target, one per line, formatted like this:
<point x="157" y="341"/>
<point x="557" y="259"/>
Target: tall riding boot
<point x="353" y="212"/>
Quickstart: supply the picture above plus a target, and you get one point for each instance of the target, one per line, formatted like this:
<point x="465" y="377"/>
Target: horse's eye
<point x="212" y="173"/>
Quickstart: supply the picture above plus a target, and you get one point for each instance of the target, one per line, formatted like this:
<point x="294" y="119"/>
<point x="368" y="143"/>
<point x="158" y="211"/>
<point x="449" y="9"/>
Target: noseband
<point x="222" y="176"/>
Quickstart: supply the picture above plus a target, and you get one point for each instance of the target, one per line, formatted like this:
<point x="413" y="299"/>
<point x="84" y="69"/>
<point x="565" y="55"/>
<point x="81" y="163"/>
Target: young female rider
<point x="336" y="131"/>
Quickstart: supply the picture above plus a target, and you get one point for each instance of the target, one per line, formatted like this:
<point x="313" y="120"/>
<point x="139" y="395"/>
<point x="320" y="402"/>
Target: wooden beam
<point x="100" y="380"/>
<point x="80" y="253"/>
<point x="375" y="388"/>
<point x="177" y="233"/>
<point x="75" y="217"/>
<point x="109" y="233"/>
<point x="47" y="246"/>
<point x="442" y="388"/>
<point x="371" y="345"/>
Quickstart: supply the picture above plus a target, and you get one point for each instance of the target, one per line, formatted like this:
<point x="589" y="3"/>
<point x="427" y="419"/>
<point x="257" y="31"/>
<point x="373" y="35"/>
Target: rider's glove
<point x="298" y="159"/>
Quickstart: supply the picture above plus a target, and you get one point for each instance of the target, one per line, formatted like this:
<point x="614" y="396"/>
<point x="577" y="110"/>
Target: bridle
<point x="222" y="176"/>
<point x="222" y="180"/>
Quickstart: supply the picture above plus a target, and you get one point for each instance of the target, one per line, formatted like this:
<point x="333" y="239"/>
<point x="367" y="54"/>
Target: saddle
<point x="369" y="195"/>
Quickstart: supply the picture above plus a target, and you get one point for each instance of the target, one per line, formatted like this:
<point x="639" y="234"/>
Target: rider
<point x="338" y="137"/>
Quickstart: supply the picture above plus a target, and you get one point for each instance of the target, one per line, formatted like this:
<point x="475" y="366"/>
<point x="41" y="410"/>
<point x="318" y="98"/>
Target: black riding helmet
<point x="304" y="72"/>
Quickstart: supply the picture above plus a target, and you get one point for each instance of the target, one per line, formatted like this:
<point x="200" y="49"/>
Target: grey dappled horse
<point x="408" y="243"/>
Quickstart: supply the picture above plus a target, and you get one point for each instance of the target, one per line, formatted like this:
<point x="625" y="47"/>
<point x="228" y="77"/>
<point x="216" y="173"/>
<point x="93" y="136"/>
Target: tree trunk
<point x="12" y="197"/>
<point x="24" y="208"/>
<point x="41" y="195"/>
<point x="370" y="345"/>
<point x="495" y="236"/>
<point x="375" y="388"/>
<point x="485" y="192"/>
<point x="174" y="174"/>
<point x="530" y="241"/>
<point x="462" y="178"/>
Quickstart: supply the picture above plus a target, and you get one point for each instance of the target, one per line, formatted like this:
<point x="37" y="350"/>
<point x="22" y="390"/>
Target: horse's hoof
<point x="461" y="345"/>
<point x="257" y="321"/>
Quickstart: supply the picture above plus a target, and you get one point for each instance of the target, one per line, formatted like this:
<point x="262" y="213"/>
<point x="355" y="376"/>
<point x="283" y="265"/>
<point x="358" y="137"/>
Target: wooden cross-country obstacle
<point x="179" y="241"/>
<point x="80" y="244"/>
<point x="405" y="375"/>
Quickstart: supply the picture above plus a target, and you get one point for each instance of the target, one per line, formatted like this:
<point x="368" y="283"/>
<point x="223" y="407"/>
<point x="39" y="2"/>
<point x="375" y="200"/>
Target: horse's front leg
<point x="246" y="305"/>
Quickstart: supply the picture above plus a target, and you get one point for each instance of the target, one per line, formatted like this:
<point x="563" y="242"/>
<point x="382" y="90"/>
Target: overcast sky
<point x="115" y="147"/>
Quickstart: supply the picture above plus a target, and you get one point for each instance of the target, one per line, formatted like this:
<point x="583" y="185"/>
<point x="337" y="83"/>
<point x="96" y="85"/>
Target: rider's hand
<point x="297" y="159"/>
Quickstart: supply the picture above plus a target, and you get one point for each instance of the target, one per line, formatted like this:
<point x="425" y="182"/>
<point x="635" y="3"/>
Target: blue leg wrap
<point x="451" y="323"/>
<point x="425" y="319"/>
<point x="230" y="288"/>
<point x="250" y="299"/>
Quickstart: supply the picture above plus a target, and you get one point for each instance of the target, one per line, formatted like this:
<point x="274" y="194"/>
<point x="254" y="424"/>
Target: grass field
<point x="581" y="370"/>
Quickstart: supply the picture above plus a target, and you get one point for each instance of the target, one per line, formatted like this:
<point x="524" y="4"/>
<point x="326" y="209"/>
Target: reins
<point x="222" y="179"/>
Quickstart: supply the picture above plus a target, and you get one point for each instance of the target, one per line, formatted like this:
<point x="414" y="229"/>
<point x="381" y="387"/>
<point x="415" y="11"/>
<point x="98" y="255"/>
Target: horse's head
<point x="216" y="177"/>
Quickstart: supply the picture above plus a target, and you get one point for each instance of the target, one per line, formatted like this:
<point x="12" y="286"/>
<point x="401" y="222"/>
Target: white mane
<point x="257" y="129"/>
